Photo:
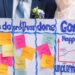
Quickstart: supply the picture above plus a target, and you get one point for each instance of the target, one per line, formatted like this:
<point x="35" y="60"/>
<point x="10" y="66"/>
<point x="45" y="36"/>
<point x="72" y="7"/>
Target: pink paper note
<point x="19" y="41"/>
<point x="6" y="60"/>
<point x="43" y="49"/>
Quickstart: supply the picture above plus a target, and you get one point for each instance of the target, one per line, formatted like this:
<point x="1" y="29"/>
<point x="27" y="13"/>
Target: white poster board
<point x="59" y="35"/>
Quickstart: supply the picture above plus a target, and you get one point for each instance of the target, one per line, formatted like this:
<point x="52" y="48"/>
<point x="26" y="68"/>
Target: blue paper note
<point x="20" y="72"/>
<point x="50" y="39"/>
<point x="0" y="49"/>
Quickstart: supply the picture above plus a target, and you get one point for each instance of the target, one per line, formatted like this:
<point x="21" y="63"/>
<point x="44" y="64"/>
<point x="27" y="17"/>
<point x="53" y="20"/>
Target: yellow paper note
<point x="3" y="69"/>
<point x="28" y="52"/>
<point x="5" y="38"/>
<point x="20" y="63"/>
<point x="8" y="50"/>
<point x="47" y="61"/>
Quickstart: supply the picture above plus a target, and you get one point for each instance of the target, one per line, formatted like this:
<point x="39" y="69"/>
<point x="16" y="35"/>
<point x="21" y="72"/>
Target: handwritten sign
<point x="47" y="61"/>
<point x="5" y="38"/>
<point x="3" y="69"/>
<point x="8" y="50"/>
<point x="43" y="49"/>
<point x="6" y="60"/>
<point x="28" y="52"/>
<point x="19" y="63"/>
<point x="19" y="41"/>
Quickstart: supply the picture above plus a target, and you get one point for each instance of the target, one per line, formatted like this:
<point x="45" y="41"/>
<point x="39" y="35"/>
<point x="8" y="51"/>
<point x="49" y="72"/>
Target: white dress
<point x="67" y="13"/>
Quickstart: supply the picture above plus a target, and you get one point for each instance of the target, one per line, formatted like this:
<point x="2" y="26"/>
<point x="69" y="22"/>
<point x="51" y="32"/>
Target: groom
<point x="8" y="7"/>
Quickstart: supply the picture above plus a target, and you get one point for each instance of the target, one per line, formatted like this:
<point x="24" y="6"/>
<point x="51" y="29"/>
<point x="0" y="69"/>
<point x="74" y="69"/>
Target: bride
<point x="65" y="9"/>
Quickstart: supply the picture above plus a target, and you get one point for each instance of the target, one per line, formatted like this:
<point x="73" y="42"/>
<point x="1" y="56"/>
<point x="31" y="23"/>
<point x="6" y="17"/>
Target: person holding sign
<point x="65" y="9"/>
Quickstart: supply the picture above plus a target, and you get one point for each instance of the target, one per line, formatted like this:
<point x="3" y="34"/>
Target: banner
<point x="37" y="47"/>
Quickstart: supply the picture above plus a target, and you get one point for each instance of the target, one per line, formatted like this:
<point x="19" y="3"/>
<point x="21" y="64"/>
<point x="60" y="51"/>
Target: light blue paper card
<point x="50" y="39"/>
<point x="20" y="72"/>
<point x="0" y="49"/>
